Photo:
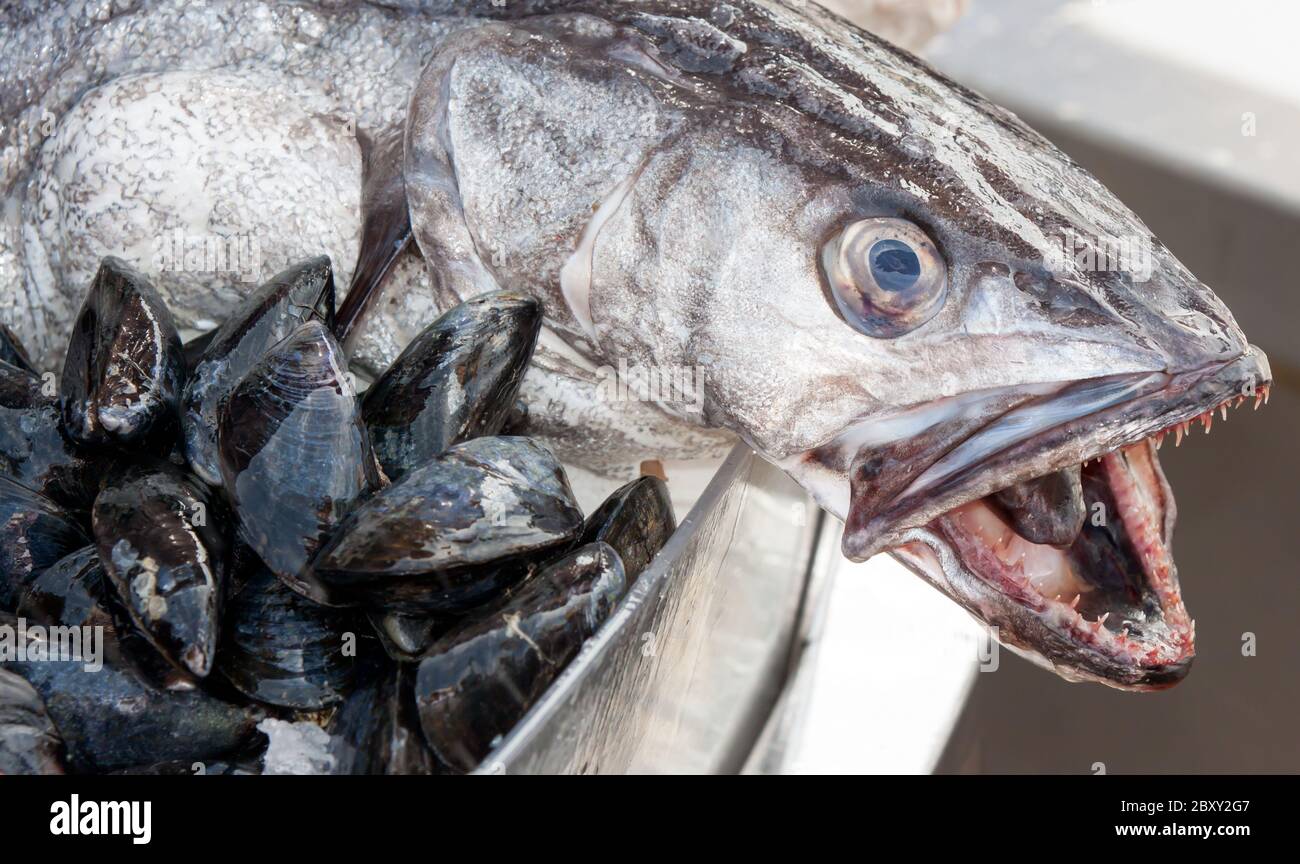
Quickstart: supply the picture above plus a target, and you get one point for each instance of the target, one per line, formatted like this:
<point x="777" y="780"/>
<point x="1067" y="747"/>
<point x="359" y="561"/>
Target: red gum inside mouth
<point x="1048" y="581"/>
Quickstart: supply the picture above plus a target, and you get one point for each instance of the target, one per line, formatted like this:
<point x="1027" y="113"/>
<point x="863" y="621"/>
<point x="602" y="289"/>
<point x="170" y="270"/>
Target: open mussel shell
<point x="452" y="534"/>
<point x="265" y="317"/>
<point x="112" y="717"/>
<point x="294" y="454"/>
<point x="283" y="649"/>
<point x="156" y="532"/>
<point x="29" y="743"/>
<point x="33" y="448"/>
<point x="124" y="369"/>
<point x="457" y="380"/>
<point x="34" y="534"/>
<point x="478" y="680"/>
<point x="636" y="520"/>
<point x="13" y="352"/>
<point x="377" y="730"/>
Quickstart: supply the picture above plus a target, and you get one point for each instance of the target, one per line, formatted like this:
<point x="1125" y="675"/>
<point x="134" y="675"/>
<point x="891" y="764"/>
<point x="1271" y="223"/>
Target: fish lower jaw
<point x="1107" y="606"/>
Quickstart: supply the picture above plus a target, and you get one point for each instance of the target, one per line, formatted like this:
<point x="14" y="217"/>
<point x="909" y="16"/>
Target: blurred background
<point x="1190" y="111"/>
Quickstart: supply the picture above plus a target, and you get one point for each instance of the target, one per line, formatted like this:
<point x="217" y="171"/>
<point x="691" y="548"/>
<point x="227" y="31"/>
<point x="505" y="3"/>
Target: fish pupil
<point x="894" y="265"/>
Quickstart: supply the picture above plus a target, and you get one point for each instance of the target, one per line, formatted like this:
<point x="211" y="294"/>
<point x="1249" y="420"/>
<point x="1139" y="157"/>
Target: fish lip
<point x="1161" y="401"/>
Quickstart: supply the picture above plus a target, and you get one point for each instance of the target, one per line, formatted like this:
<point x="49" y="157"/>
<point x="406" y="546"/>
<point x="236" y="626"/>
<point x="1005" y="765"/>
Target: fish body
<point x="743" y="218"/>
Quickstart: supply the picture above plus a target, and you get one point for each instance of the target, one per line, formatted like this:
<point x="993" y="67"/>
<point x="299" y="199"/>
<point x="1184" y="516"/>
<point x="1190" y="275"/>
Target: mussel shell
<point x="478" y="680"/>
<point x="124" y="368"/>
<point x="75" y="592"/>
<point x="636" y="520"/>
<point x="13" y="352"/>
<point x="377" y="730"/>
<point x="71" y="592"/>
<point x="452" y="534"/>
<point x="265" y="317"/>
<point x="33" y="448"/>
<point x="29" y="743"/>
<point x="34" y="534"/>
<point x="112" y="718"/>
<point x="457" y="380"/>
<point x="294" y="454"/>
<point x="158" y="539"/>
<point x="282" y="649"/>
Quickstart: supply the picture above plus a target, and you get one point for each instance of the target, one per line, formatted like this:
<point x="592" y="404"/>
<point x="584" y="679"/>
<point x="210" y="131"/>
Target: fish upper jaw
<point x="1105" y="607"/>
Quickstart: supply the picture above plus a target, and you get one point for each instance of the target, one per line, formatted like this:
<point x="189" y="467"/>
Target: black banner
<point x="330" y="815"/>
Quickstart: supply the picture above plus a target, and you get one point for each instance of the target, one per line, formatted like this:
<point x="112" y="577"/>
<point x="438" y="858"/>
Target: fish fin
<point x="385" y="226"/>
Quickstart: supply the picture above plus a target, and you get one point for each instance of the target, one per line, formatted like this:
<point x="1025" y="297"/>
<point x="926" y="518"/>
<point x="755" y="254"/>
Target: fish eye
<point x="886" y="275"/>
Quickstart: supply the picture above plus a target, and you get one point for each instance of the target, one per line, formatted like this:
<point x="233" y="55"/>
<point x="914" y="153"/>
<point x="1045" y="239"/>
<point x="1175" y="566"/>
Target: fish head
<point x="958" y="340"/>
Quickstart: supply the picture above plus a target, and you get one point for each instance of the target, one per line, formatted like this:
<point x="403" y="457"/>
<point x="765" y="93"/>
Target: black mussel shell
<point x="33" y="448"/>
<point x="377" y="730"/>
<point x="124" y="368"/>
<point x="156" y="532"/>
<point x="34" y="534"/>
<point x="282" y="649"/>
<point x="457" y="380"/>
<point x="636" y="520"/>
<point x="12" y="351"/>
<point x="406" y="637"/>
<point x="70" y="592"/>
<point x="478" y="680"/>
<point x="452" y="534"/>
<point x="264" y="318"/>
<point x="294" y="454"/>
<point x="75" y="592"/>
<point x="29" y="743"/>
<point x="111" y="717"/>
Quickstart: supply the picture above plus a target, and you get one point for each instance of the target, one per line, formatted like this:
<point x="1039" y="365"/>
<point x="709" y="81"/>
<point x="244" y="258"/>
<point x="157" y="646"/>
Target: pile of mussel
<point x="204" y="543"/>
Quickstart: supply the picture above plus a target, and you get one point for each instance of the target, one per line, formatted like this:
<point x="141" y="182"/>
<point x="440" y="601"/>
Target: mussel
<point x="159" y="543"/>
<point x="452" y="534"/>
<point x="293" y="452"/>
<point x="377" y="730"/>
<point x="636" y="520"/>
<point x="29" y="743"/>
<point x="283" y="649"/>
<point x="265" y="317"/>
<point x="111" y="717"/>
<point x="124" y="369"/>
<point x="75" y="592"/>
<point x="34" y="533"/>
<point x="33" y="448"/>
<point x="457" y="380"/>
<point x="478" y="680"/>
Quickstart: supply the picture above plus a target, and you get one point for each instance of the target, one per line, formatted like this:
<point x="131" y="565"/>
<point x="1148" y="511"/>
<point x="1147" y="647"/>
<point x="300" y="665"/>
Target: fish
<point x="744" y="220"/>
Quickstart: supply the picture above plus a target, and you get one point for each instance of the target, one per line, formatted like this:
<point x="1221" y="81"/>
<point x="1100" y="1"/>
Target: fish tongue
<point x="1046" y="510"/>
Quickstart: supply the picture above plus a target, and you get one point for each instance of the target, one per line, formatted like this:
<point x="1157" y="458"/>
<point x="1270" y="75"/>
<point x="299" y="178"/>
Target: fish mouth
<point x="1092" y="592"/>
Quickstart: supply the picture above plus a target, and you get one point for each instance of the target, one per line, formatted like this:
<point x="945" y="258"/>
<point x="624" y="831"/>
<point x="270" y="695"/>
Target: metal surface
<point x="684" y="675"/>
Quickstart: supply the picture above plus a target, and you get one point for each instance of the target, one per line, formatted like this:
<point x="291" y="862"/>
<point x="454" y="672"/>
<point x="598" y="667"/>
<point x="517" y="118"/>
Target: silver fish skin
<point x="664" y="175"/>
